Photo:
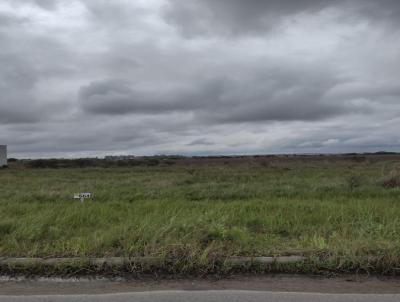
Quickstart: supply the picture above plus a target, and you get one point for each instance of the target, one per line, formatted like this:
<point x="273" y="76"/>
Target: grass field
<point x="332" y="210"/>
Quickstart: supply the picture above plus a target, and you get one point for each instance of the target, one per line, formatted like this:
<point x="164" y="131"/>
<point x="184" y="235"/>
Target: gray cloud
<point x="17" y="79"/>
<point x="122" y="97"/>
<point x="44" y="4"/>
<point x="231" y="17"/>
<point x="201" y="141"/>
<point x="8" y="21"/>
<point x="255" y="17"/>
<point x="259" y="94"/>
<point x="254" y="77"/>
<point x="27" y="59"/>
<point x="112" y="13"/>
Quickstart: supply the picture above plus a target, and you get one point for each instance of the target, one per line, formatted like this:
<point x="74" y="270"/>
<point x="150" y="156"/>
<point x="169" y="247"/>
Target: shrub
<point x="393" y="180"/>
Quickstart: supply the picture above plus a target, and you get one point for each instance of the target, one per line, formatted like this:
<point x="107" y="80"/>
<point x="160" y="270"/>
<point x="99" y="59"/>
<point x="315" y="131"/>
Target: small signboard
<point x="82" y="196"/>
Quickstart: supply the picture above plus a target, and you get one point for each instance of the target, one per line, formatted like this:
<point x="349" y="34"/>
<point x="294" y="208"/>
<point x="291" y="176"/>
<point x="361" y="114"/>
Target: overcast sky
<point x="97" y="77"/>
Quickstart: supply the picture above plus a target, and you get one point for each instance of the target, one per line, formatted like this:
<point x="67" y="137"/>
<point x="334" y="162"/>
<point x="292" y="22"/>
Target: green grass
<point x="335" y="211"/>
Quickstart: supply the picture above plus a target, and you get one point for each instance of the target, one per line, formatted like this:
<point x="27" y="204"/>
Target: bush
<point x="393" y="180"/>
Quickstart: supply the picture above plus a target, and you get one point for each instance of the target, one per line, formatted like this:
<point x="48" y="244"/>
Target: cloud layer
<point x="88" y="77"/>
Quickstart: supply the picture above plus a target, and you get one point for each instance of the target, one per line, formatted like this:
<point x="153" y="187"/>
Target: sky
<point x="198" y="77"/>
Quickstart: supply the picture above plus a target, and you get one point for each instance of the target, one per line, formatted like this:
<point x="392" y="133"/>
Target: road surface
<point x="207" y="296"/>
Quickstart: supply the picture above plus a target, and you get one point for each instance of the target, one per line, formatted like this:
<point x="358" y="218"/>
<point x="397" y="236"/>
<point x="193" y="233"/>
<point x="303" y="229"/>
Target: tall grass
<point x="199" y="214"/>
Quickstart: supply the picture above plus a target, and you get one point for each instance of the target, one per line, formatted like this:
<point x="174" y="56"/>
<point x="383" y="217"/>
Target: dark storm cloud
<point x="255" y="17"/>
<point x="123" y="97"/>
<point x="276" y="94"/>
<point x="269" y="93"/>
<point x="234" y="16"/>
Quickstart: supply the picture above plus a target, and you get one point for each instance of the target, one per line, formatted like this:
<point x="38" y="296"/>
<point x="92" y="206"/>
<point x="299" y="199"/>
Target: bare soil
<point x="278" y="283"/>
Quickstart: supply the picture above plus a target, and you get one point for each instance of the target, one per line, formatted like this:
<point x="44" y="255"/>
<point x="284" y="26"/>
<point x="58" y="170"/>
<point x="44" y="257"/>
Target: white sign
<point x="82" y="196"/>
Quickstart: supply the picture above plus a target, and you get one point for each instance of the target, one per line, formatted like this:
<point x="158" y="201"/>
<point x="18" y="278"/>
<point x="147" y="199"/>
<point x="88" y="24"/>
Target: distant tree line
<point x="167" y="160"/>
<point x="95" y="162"/>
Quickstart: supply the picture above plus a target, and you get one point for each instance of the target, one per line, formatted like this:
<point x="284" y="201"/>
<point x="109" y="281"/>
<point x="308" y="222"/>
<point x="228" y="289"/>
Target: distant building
<point x="3" y="155"/>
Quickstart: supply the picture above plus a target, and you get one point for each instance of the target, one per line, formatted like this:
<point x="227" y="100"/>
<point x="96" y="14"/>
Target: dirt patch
<point x="276" y="283"/>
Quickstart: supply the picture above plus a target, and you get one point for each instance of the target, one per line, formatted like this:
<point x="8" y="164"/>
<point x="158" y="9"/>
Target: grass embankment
<point x="336" y="212"/>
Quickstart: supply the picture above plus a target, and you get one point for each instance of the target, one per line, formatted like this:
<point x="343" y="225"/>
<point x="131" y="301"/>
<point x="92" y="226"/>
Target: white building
<point x="3" y="155"/>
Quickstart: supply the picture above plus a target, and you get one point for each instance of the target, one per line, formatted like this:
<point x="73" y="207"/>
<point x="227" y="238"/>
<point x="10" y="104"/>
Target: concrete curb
<point x="143" y="261"/>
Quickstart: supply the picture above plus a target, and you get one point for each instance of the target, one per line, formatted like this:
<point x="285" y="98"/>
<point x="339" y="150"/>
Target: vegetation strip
<point x="342" y="213"/>
<point x="144" y="261"/>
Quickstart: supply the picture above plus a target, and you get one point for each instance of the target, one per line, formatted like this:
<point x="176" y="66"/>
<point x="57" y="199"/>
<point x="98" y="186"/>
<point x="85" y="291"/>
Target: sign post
<point x="82" y="196"/>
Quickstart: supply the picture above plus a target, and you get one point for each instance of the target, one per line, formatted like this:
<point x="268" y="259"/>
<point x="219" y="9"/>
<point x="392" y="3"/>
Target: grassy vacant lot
<point x="334" y="210"/>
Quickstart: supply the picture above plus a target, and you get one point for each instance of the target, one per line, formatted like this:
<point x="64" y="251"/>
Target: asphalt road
<point x="278" y="288"/>
<point x="207" y="296"/>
